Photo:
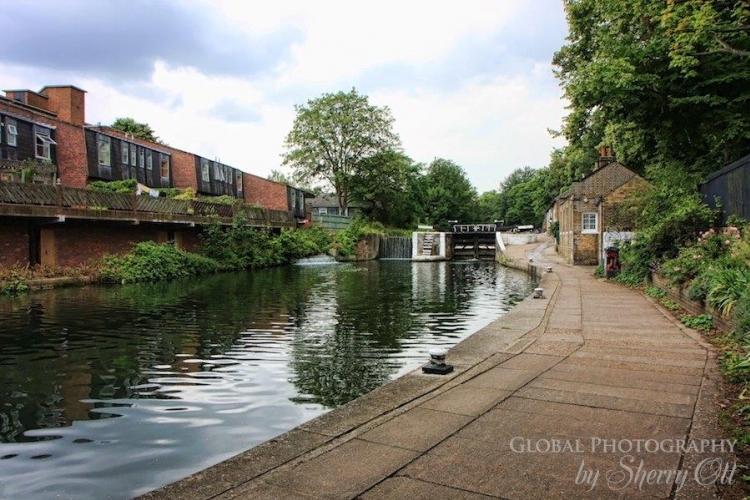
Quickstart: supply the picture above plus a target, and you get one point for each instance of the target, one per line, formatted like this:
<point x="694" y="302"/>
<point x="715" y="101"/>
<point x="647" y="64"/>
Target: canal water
<point x="109" y="392"/>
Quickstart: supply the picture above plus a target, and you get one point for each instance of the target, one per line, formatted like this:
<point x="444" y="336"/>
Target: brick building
<point x="589" y="212"/>
<point x="46" y="133"/>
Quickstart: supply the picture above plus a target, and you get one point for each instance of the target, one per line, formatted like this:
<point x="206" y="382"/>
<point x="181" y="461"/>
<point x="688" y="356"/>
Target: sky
<point x="468" y="81"/>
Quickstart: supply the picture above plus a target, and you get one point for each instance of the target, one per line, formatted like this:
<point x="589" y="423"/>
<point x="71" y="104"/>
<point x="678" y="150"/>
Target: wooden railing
<point x="131" y="206"/>
<point x="30" y="170"/>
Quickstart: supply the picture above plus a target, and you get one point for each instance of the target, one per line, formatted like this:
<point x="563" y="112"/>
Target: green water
<point x="114" y="391"/>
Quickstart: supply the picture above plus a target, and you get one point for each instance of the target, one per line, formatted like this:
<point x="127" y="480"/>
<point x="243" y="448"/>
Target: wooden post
<point x="60" y="195"/>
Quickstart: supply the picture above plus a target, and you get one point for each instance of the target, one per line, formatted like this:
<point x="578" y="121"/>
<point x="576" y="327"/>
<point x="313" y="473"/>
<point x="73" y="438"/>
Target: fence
<point x="133" y="206"/>
<point x="334" y="222"/>
<point x="731" y="186"/>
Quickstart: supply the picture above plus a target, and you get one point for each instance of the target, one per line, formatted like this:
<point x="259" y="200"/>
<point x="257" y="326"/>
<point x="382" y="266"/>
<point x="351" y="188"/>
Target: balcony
<point x="27" y="171"/>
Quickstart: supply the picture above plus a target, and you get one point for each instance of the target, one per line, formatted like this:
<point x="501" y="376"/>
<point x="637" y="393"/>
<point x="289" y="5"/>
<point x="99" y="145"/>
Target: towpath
<point x="590" y="392"/>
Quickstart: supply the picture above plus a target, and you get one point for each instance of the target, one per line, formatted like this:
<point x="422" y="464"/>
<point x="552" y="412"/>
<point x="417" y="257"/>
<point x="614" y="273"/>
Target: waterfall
<point x="395" y="247"/>
<point x="317" y="260"/>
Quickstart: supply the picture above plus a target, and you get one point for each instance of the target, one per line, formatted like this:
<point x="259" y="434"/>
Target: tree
<point x="448" y="193"/>
<point x="140" y="130"/>
<point x="331" y="137"/>
<point x="278" y="176"/>
<point x="389" y="186"/>
<point x="488" y="207"/>
<point x="666" y="84"/>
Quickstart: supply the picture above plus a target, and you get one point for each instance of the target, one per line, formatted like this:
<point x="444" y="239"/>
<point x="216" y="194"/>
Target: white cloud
<point x="460" y="84"/>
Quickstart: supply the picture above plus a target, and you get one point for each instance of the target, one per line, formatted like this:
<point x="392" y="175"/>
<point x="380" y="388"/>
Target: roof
<point x="593" y="185"/>
<point x="732" y="166"/>
<point x="331" y="201"/>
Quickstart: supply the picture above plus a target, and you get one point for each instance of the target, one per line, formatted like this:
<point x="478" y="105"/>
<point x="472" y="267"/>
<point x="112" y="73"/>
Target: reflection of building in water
<point x="429" y="280"/>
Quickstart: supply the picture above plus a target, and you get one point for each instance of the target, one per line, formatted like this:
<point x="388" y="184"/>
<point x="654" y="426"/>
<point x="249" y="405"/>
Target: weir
<point x="395" y="247"/>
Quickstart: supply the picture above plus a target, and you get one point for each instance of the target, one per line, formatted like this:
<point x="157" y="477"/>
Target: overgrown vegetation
<point x="126" y="186"/>
<point x="346" y="241"/>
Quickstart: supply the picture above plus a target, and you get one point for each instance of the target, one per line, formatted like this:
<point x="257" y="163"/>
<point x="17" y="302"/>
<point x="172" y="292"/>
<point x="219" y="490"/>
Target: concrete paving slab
<point x="645" y="359"/>
<point x="622" y="379"/>
<point x="678" y="398"/>
<point x="418" y="429"/>
<point x="629" y="365"/>
<point x="535" y="362"/>
<point x="238" y="470"/>
<point x="551" y="348"/>
<point x="645" y="375"/>
<point x="611" y="402"/>
<point x="490" y="469"/>
<point x="414" y="489"/>
<point x="502" y="378"/>
<point x="343" y="472"/>
<point x="507" y="425"/>
<point x="371" y="405"/>
<point x="466" y="400"/>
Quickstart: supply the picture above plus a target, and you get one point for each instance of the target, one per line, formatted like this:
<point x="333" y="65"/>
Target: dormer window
<point x="132" y="155"/>
<point x="11" y="132"/>
<point x="125" y="150"/>
<point x="43" y="142"/>
<point x="103" y="144"/>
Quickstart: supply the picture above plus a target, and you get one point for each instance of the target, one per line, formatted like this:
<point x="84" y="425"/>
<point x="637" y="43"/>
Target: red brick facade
<point x="268" y="194"/>
<point x="14" y="243"/>
<point x="78" y="242"/>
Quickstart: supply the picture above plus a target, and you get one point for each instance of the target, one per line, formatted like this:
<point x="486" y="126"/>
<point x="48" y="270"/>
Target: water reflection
<point x="200" y="370"/>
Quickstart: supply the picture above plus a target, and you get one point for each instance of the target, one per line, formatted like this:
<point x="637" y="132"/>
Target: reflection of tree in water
<point x="63" y="346"/>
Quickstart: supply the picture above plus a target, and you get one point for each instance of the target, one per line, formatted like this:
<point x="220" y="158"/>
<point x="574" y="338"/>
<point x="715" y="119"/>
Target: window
<point x="164" y="166"/>
<point x="239" y="182"/>
<point x="323" y="210"/>
<point x="141" y="157"/>
<point x="104" y="147"/>
<point x="589" y="223"/>
<point x="11" y="134"/>
<point x="132" y="154"/>
<point x="125" y="149"/>
<point x="149" y="161"/>
<point x="205" y="171"/>
<point x="43" y="142"/>
<point x="228" y="174"/>
<point x="218" y="172"/>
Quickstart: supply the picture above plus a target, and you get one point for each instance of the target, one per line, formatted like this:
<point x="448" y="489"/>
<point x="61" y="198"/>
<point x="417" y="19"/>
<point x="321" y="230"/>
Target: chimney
<point x="606" y="156"/>
<point x="68" y="102"/>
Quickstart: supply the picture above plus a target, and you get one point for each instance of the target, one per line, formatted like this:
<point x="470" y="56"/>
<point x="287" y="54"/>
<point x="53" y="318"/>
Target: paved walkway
<point x="550" y="401"/>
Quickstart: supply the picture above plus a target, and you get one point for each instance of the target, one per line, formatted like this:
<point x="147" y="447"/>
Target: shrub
<point x="125" y="186"/>
<point x="702" y="322"/>
<point x="655" y="292"/>
<point x="150" y="261"/>
<point x="12" y="283"/>
<point x="727" y="286"/>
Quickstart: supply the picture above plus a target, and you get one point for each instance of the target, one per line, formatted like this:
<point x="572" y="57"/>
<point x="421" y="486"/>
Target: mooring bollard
<point x="538" y="293"/>
<point x="437" y="364"/>
<point x="549" y="269"/>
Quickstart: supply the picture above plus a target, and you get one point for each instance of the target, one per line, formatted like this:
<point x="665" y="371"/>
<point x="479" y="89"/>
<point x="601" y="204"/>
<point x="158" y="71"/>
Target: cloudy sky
<point x="469" y="81"/>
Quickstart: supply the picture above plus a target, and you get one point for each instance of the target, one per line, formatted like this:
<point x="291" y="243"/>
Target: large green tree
<point x="666" y="84"/>
<point x="137" y="129"/>
<point x="333" y="135"/>
<point x="389" y="185"/>
<point x="448" y="194"/>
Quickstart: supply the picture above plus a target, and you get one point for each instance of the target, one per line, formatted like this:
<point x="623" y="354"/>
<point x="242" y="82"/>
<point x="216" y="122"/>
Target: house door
<point x="48" y="255"/>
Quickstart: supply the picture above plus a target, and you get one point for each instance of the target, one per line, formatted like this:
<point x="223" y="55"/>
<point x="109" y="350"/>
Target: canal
<point x="109" y="392"/>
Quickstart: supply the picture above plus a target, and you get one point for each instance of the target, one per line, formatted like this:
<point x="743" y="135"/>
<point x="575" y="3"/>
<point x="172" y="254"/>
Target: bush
<point x="702" y="322"/>
<point x="345" y="242"/>
<point x="12" y="283"/>
<point x="727" y="286"/>
<point x="150" y="261"/>
<point x="126" y="186"/>
<point x="655" y="292"/>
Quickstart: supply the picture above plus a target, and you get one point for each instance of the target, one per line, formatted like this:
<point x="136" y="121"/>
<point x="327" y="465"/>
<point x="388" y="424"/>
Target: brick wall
<point x="77" y="243"/>
<point x="183" y="170"/>
<point x="71" y="144"/>
<point x="680" y="295"/>
<point x="265" y="193"/>
<point x="14" y="243"/>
